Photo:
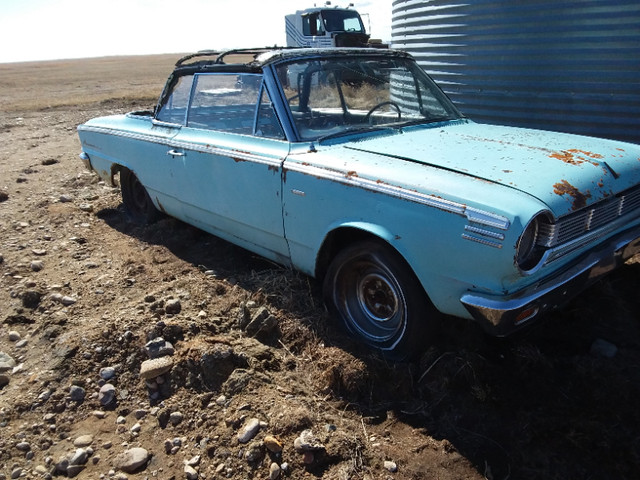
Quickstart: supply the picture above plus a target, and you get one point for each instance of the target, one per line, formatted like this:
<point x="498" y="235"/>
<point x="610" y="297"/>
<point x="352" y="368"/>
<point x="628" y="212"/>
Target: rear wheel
<point x="379" y="299"/>
<point x="136" y="200"/>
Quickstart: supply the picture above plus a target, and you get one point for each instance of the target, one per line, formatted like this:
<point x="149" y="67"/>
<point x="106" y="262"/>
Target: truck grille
<point x="580" y="223"/>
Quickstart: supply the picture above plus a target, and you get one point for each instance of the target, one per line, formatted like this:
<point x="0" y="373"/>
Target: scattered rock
<point x="190" y="472"/>
<point x="66" y="301"/>
<point x="45" y="395"/>
<point x="83" y="441"/>
<point x="6" y="362"/>
<point x="107" y="394"/>
<point x="155" y="367"/>
<point x="41" y="470"/>
<point x="23" y="446"/>
<point x="62" y="464"/>
<point x="159" y="347"/>
<point x="31" y="299"/>
<point x="307" y="442"/>
<point x="249" y="430"/>
<point x="4" y="196"/>
<point x="273" y="444"/>
<point x="262" y="323"/>
<point x="63" y="299"/>
<point x="76" y="393"/>
<point x="274" y="471"/>
<point x="74" y="470"/>
<point x="37" y="265"/>
<point x="14" y="336"/>
<point x="173" y="307"/>
<point x="390" y="466"/>
<point x="175" y="418"/>
<point x="49" y="161"/>
<point x="107" y="373"/>
<point x="80" y="457"/>
<point x="132" y="460"/>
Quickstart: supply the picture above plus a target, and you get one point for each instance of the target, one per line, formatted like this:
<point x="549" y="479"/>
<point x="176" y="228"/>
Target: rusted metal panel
<point x="568" y="66"/>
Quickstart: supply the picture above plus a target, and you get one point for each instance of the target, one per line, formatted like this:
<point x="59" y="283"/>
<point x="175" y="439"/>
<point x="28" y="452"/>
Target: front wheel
<point x="379" y="299"/>
<point x="136" y="200"/>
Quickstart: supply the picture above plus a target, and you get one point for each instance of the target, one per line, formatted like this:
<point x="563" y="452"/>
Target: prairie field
<point x="82" y="291"/>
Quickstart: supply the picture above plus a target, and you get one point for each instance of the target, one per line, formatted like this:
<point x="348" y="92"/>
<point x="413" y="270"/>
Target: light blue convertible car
<point x="353" y="167"/>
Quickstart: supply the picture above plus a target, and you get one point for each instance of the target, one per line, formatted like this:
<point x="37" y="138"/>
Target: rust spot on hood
<point x="576" y="157"/>
<point x="579" y="198"/>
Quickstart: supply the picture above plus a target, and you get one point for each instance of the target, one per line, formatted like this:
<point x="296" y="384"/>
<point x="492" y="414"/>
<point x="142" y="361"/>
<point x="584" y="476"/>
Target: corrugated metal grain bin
<point x="571" y="66"/>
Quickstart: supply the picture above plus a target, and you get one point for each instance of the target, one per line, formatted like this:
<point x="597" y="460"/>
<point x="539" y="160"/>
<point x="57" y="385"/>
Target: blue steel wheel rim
<point x="377" y="297"/>
<point x="374" y="305"/>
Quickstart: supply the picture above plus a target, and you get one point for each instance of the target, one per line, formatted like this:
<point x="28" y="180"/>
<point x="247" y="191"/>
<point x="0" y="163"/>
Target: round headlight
<point x="529" y="252"/>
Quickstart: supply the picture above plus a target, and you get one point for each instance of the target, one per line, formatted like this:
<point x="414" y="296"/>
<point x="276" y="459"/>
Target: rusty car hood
<point x="567" y="172"/>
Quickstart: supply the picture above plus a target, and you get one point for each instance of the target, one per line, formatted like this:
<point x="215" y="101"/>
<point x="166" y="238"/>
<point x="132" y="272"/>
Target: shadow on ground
<point x="543" y="404"/>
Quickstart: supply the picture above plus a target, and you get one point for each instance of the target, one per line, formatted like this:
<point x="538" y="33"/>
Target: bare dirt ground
<point x="82" y="291"/>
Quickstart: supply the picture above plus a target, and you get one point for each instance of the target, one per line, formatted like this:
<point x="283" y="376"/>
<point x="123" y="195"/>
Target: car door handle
<point x="175" y="153"/>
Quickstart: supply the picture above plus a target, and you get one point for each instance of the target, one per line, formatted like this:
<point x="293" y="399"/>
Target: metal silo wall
<point x="570" y="66"/>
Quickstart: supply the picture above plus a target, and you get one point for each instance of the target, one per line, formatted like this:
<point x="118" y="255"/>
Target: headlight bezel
<point x="530" y="254"/>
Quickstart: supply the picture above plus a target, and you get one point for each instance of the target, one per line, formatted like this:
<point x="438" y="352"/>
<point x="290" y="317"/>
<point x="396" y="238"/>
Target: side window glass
<point x="174" y="108"/>
<point x="225" y="102"/>
<point x="312" y="25"/>
<point x="267" y="124"/>
<point x="306" y="26"/>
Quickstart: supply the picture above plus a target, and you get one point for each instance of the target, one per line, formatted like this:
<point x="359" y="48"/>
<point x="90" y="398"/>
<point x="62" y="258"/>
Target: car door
<point x="231" y="153"/>
<point x="154" y="161"/>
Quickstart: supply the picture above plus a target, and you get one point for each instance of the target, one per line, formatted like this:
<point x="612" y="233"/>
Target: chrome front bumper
<point x="501" y="315"/>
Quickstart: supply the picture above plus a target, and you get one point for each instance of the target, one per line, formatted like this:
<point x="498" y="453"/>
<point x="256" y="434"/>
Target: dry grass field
<point x="82" y="290"/>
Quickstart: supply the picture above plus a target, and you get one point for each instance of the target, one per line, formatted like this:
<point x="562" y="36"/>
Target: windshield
<point x="342" y="21"/>
<point x="336" y="96"/>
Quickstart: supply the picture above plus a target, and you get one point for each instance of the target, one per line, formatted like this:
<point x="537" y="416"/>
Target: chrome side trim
<point x="188" y="146"/>
<point x="483" y="241"/>
<point x="486" y="233"/>
<point x="486" y="218"/>
<point x="474" y="215"/>
<point x="490" y="239"/>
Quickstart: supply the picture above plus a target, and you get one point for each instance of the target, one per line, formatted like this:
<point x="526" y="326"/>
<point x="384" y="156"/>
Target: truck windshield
<point x="339" y="95"/>
<point x="342" y="21"/>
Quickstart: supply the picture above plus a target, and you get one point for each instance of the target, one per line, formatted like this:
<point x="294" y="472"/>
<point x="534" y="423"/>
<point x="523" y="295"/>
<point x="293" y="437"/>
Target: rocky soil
<point x="164" y="352"/>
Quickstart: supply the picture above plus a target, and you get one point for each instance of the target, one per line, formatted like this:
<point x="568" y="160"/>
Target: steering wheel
<point x="367" y="117"/>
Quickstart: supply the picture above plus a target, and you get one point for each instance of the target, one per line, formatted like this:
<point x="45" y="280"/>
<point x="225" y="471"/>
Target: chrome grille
<point x="577" y="224"/>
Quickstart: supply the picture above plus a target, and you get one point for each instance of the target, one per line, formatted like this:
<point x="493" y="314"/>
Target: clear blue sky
<point x="54" y="29"/>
